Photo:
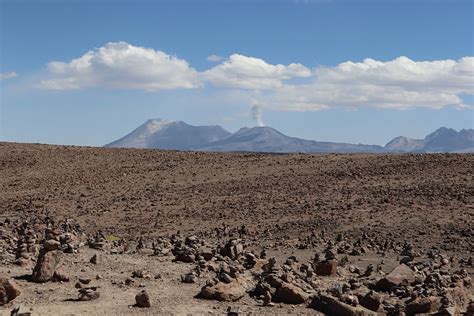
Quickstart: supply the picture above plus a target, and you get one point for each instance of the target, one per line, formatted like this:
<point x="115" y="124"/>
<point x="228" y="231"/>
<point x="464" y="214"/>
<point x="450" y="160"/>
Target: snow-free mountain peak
<point x="165" y="134"/>
<point x="178" y="135"/>
<point x="403" y="144"/>
<point x="441" y="140"/>
<point x="157" y="124"/>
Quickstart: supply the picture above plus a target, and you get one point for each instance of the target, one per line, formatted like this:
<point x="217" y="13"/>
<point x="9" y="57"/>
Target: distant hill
<point x="267" y="139"/>
<point x="178" y="135"/>
<point x="442" y="140"/>
<point x="164" y="134"/>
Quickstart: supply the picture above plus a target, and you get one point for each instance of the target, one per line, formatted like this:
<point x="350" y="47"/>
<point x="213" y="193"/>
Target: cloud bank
<point x="244" y="72"/>
<point x="396" y="84"/>
<point x="121" y="65"/>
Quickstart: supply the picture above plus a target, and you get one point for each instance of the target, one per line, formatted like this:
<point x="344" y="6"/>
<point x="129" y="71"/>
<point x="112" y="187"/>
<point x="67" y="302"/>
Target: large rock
<point x="225" y="291"/>
<point x="290" y="294"/>
<point x="327" y="267"/>
<point x="423" y="305"/>
<point x="45" y="266"/>
<point x="332" y="306"/>
<point x="142" y="299"/>
<point x="232" y="249"/>
<point x="372" y="301"/>
<point x="8" y="291"/>
<point x="396" y="277"/>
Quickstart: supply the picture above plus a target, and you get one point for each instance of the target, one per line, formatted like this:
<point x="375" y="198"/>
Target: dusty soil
<point x="282" y="200"/>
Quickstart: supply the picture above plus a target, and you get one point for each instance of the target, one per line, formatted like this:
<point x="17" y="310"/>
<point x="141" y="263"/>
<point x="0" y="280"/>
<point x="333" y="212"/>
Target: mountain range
<point x="178" y="135"/>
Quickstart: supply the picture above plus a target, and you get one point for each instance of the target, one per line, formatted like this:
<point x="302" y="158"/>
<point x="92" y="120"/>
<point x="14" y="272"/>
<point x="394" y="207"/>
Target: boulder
<point x="423" y="305"/>
<point x="331" y="306"/>
<point x="327" y="267"/>
<point x="225" y="291"/>
<point x="206" y="252"/>
<point x="290" y="294"/>
<point x="8" y="291"/>
<point x="371" y="300"/>
<point x="142" y="299"/>
<point x="45" y="266"/>
<point x="232" y="249"/>
<point x="396" y="277"/>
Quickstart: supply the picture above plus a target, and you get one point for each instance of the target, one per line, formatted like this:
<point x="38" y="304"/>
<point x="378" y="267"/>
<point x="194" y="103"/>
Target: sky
<point x="88" y="72"/>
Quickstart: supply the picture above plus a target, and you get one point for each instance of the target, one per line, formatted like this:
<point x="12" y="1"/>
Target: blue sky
<point x="411" y="71"/>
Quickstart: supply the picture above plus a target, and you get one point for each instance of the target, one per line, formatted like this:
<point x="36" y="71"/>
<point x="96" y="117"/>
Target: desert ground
<point x="235" y="233"/>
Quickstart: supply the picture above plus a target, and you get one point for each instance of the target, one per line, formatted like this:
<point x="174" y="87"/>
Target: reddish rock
<point x="8" y="291"/>
<point x="290" y="294"/>
<point x="332" y="306"/>
<point x="423" y="305"/>
<point x="327" y="267"/>
<point x="51" y="244"/>
<point x="45" y="266"/>
<point x="397" y="276"/>
<point x="225" y="291"/>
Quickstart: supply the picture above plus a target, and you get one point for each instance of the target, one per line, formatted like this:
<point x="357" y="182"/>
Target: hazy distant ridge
<point x="177" y="135"/>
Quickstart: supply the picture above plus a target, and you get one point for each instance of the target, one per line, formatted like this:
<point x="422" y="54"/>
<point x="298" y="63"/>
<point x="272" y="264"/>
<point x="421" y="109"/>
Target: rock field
<point x="101" y="231"/>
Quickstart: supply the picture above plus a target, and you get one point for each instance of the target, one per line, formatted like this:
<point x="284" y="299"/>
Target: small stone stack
<point x="26" y="247"/>
<point x="187" y="251"/>
<point x="232" y="249"/>
<point x="99" y="241"/>
<point x="48" y="258"/>
<point x="329" y="265"/>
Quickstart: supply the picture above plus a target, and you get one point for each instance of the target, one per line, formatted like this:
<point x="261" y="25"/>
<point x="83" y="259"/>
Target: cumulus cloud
<point x="214" y="58"/>
<point x="8" y="75"/>
<point x="244" y="72"/>
<point x="121" y="65"/>
<point x="397" y="84"/>
<point x="401" y="83"/>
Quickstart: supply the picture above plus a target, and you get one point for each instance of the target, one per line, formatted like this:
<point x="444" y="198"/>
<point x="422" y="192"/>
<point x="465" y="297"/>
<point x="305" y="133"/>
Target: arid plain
<point x="235" y="232"/>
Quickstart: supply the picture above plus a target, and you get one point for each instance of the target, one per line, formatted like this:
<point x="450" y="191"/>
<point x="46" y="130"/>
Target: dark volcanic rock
<point x="8" y="291"/>
<point x="142" y="299"/>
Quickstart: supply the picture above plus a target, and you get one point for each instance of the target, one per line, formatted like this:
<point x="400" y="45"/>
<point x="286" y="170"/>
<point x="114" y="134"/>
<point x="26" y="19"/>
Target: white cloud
<point x="397" y="84"/>
<point x="8" y="75"/>
<point x="252" y="73"/>
<point x="121" y="65"/>
<point x="214" y="58"/>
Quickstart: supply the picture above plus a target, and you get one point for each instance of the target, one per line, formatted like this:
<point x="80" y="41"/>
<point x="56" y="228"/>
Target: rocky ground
<point x="116" y="231"/>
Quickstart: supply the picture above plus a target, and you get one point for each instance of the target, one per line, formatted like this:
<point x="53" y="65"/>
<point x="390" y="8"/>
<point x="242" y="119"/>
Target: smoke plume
<point x="257" y="114"/>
